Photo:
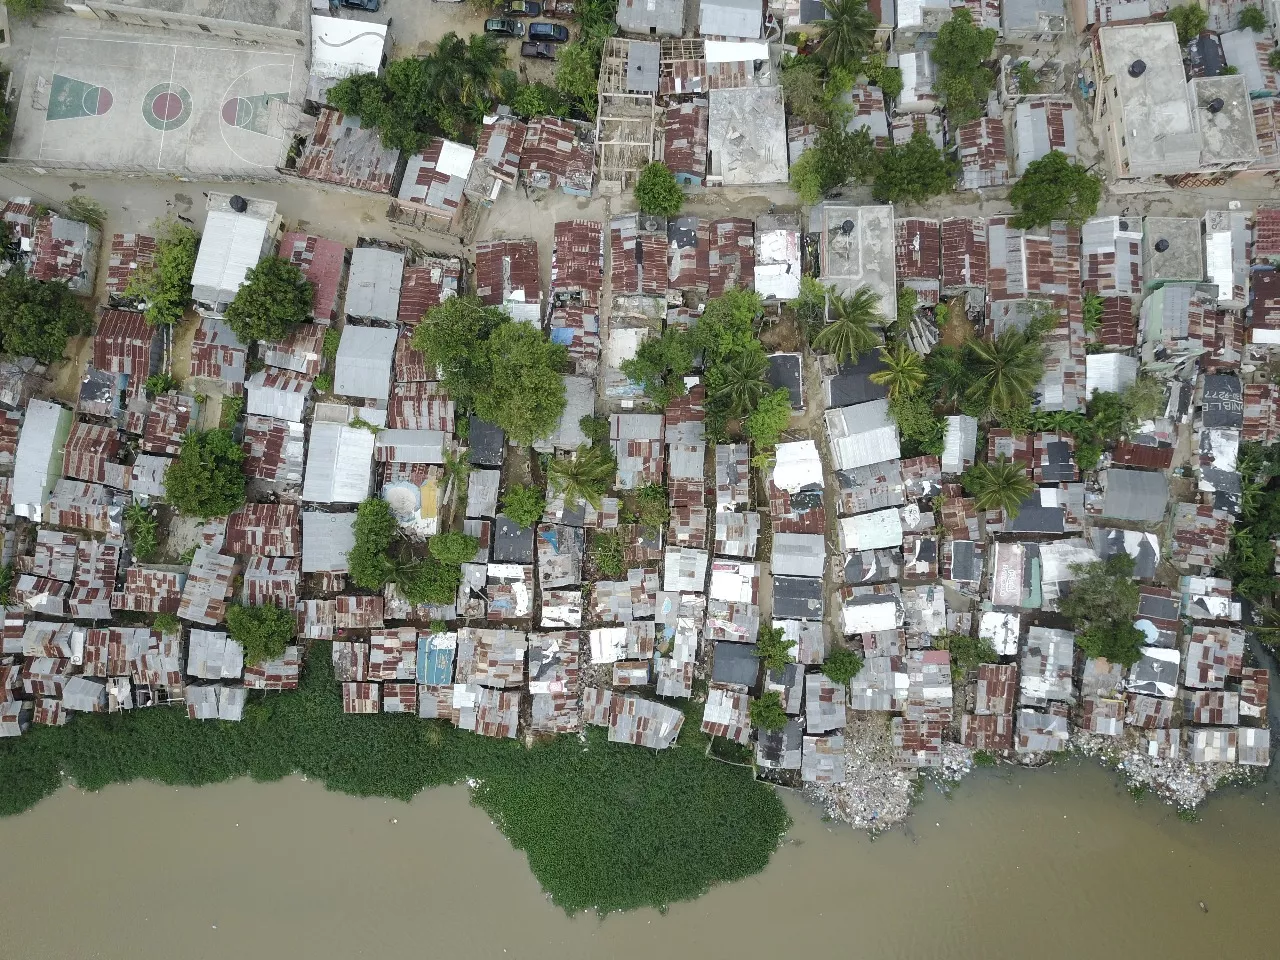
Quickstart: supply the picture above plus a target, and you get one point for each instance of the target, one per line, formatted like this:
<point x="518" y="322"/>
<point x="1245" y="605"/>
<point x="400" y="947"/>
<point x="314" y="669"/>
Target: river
<point x="1039" y="864"/>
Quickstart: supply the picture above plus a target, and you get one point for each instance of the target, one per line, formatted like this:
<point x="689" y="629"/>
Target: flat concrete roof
<point x="747" y="136"/>
<point x="1227" y="135"/>
<point x="857" y="246"/>
<point x="156" y="105"/>
<point x="1160" y="136"/>
<point x="1184" y="258"/>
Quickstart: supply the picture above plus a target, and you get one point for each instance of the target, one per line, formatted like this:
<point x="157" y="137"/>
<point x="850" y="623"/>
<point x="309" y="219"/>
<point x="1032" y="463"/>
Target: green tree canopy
<point x="657" y="191"/>
<point x="264" y="632"/>
<point x="577" y="70"/>
<point x="1005" y="370"/>
<point x="375" y="528"/>
<point x="538" y="100"/>
<point x="587" y="475"/>
<point x="959" y="54"/>
<point x="441" y="94"/>
<point x="848" y="332"/>
<point x="773" y="648"/>
<point x="429" y="580"/>
<point x="523" y="504"/>
<point x="842" y="665"/>
<point x="1000" y="485"/>
<point x="1103" y="604"/>
<point x="766" y="713"/>
<point x="205" y="479"/>
<point x="275" y="298"/>
<point x="37" y="318"/>
<point x="508" y="372"/>
<point x="836" y="158"/>
<point x="453" y="548"/>
<point x="1055" y="188"/>
<point x="903" y="371"/>
<point x="1190" y="19"/>
<point x="914" y="172"/>
<point x="661" y="364"/>
<point x="847" y="33"/>
<point x="769" y="419"/>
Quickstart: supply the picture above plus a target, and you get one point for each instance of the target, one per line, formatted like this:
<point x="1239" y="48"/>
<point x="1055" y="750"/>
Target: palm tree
<point x="947" y="377"/>
<point x="847" y="34"/>
<point x="482" y="68"/>
<point x="849" y="333"/>
<point x="1008" y="369"/>
<point x="584" y="476"/>
<point x="904" y="370"/>
<point x="1001" y="485"/>
<point x="740" y="382"/>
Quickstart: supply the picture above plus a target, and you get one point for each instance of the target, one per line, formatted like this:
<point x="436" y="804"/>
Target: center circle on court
<point x="166" y="106"/>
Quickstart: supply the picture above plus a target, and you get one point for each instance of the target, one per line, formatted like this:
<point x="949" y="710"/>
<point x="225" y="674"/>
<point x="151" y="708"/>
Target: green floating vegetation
<point x="605" y="826"/>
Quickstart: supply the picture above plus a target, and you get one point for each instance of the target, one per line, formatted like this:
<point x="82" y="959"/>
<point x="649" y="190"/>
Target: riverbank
<point x="604" y="826"/>
<point x="289" y="869"/>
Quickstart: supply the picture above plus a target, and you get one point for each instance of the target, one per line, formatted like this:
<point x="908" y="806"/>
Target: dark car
<point x="523" y="8"/>
<point x="503" y="27"/>
<point x="548" y="31"/>
<point x="373" y="6"/>
<point x="541" y="51"/>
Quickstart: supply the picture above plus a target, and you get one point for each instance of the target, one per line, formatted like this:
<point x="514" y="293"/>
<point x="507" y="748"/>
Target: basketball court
<point x="126" y="102"/>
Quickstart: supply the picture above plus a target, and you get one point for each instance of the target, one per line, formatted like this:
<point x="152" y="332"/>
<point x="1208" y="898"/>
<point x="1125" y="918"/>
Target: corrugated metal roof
<point x="341" y="151"/>
<point x="363" y="367"/>
<point x="339" y="463"/>
<point x="323" y="263"/>
<point x="373" y="285"/>
<point x="231" y="245"/>
<point x="861" y="435"/>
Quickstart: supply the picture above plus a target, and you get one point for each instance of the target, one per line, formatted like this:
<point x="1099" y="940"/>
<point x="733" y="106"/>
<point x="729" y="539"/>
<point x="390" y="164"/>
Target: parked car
<point x="373" y="6"/>
<point x="504" y="27"/>
<point x="540" y="51"/>
<point x="548" y="31"/>
<point x="523" y="8"/>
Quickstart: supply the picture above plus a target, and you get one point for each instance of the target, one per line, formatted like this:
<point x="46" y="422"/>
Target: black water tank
<point x="1124" y="226"/>
<point x="238" y="203"/>
<point x="1137" y="69"/>
<point x="847" y="227"/>
<point x="1162" y="245"/>
<point x="1216" y="104"/>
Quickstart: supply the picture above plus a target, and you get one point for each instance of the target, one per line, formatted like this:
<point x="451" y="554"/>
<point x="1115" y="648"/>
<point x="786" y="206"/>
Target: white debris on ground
<point x="1179" y="782"/>
<point x="957" y="763"/>
<point x="875" y="794"/>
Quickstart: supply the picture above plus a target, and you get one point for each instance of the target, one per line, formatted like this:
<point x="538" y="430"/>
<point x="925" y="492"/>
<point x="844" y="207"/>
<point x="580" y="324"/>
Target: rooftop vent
<point x="847" y="227"/>
<point x="1162" y="245"/>
<point x="1216" y="104"/>
<point x="238" y="203"/>
<point x="1137" y="69"/>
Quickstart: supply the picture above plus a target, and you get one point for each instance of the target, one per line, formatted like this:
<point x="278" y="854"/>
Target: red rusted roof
<point x="410" y="366"/>
<point x="732" y="256"/>
<point x="984" y="154"/>
<point x="59" y="258"/>
<point x="577" y="259"/>
<point x="122" y="343"/>
<point x="1260" y="424"/>
<point x="342" y="152"/>
<point x="964" y="253"/>
<point x="1118" y="326"/>
<point x="1266" y="304"/>
<point x="504" y="266"/>
<point x="639" y="258"/>
<point x="264" y="529"/>
<point x="555" y="156"/>
<point x="687" y="243"/>
<point x="918" y="252"/>
<point x="684" y="139"/>
<point x="322" y="262"/>
<point x="167" y="423"/>
<point x="1140" y="455"/>
<point x="89" y="447"/>
<point x="500" y="145"/>
<point x="426" y="285"/>
<point x="130" y="252"/>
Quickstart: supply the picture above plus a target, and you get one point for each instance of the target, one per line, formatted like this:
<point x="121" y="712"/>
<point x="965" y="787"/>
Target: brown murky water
<point x="1042" y="864"/>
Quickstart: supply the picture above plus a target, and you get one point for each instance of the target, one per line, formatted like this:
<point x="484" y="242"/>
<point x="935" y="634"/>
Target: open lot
<point x="123" y="102"/>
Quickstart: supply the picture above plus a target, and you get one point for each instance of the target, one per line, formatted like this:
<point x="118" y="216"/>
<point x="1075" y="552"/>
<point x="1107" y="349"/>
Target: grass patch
<point x="605" y="826"/>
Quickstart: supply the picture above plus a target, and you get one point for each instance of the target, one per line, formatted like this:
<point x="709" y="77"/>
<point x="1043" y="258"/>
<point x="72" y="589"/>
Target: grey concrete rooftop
<point x="1228" y="135"/>
<point x="857" y="249"/>
<point x="1184" y="258"/>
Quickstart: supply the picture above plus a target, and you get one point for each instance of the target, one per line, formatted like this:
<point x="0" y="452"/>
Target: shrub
<point x="167" y="623"/>
<point x="773" y="648"/>
<point x="771" y="417"/>
<point x="159" y="383"/>
<point x="767" y="713"/>
<point x="607" y="552"/>
<point x="165" y="288"/>
<point x="142" y="528"/>
<point x="453" y="548"/>
<point x="1190" y="19"/>
<point x="274" y="298"/>
<point x="596" y="428"/>
<point x="842" y="665"/>
<point x="88" y="210"/>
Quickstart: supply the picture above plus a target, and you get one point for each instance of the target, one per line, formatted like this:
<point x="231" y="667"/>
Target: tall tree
<point x="1002" y="485"/>
<point x="914" y="171"/>
<point x="1103" y="604"/>
<point x="165" y="287"/>
<point x="1055" y="187"/>
<point x="275" y="297"/>
<point x="206" y="480"/>
<point x="904" y="370"/>
<point x="949" y="380"/>
<point x="524" y="394"/>
<point x="848" y="334"/>
<point x="657" y="191"/>
<point x="959" y="54"/>
<point x="37" y="319"/>
<point x="454" y="337"/>
<point x="1006" y="370"/>
<point x="846" y="35"/>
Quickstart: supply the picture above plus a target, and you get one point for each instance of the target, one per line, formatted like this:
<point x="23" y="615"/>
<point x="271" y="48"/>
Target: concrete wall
<point x="216" y="19"/>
